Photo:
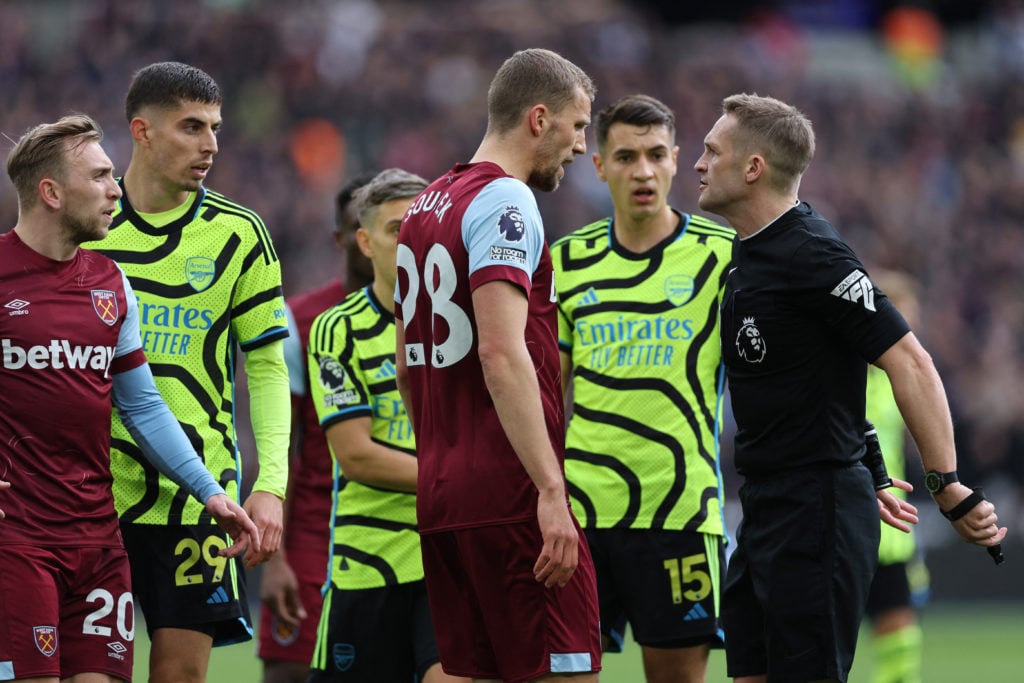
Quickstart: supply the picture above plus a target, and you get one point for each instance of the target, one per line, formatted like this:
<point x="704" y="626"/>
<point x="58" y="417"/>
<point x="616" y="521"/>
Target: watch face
<point x="932" y="482"/>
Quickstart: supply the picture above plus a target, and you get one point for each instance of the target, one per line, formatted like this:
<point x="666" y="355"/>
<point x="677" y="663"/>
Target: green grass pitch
<point x="963" y="644"/>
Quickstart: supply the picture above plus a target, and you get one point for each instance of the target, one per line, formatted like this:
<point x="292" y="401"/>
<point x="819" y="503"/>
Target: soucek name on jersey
<point x="208" y="281"/>
<point x="642" y="333"/>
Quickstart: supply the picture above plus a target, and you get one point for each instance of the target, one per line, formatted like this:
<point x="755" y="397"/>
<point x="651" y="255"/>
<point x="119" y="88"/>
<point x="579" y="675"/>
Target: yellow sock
<point x="898" y="656"/>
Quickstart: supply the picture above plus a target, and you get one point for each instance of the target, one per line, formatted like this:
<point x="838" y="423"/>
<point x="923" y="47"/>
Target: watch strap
<point x="945" y="479"/>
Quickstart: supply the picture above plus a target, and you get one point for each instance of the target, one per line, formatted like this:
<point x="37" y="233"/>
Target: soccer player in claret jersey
<point x="292" y="578"/>
<point x="376" y="606"/>
<point x="208" y="282"/>
<point x="71" y="344"/>
<point x="638" y="298"/>
<point x="508" y="572"/>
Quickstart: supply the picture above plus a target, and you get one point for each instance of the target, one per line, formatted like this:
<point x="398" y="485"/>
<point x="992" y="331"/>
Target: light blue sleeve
<point x="502" y="227"/>
<point x="129" y="338"/>
<point x="295" y="356"/>
<point x="155" y="429"/>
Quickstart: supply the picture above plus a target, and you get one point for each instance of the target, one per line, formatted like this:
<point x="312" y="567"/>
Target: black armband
<point x="873" y="459"/>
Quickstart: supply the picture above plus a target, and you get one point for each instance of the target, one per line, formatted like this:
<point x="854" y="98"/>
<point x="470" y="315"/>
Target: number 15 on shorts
<point x="688" y="578"/>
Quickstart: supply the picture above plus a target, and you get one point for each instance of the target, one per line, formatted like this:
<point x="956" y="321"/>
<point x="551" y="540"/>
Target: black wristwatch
<point x="936" y="481"/>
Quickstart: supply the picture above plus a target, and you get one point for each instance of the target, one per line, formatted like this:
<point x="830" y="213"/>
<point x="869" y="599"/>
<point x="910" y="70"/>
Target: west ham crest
<point x="104" y="302"/>
<point x="46" y="639"/>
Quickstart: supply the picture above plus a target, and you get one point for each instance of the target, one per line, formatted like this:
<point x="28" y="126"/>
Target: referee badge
<point x="749" y="342"/>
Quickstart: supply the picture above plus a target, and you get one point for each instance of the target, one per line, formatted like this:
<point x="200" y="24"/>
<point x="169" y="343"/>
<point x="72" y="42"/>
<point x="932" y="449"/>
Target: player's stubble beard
<point x="79" y="229"/>
<point x="546" y="175"/>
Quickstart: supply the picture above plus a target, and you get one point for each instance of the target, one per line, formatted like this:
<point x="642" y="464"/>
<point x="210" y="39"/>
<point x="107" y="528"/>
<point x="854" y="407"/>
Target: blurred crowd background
<point x="918" y="108"/>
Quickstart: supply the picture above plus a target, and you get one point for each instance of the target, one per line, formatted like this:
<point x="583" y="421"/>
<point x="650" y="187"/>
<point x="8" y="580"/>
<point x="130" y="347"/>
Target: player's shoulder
<point x="341" y="313"/>
<point x="309" y="304"/>
<point x="591" y="237"/>
<point x="100" y="265"/>
<point x="710" y="231"/>
<point x="219" y="210"/>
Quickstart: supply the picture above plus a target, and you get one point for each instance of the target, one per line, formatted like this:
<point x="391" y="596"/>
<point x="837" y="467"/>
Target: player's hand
<point x="232" y="518"/>
<point x="560" y="554"/>
<point x="978" y="526"/>
<point x="267" y="511"/>
<point x="3" y="485"/>
<point x="896" y="512"/>
<point x="279" y="590"/>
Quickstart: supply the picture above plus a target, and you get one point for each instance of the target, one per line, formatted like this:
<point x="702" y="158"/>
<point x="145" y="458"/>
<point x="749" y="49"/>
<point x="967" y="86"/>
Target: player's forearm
<point x="921" y="398"/>
<point x="512" y="382"/>
<point x="158" y="433"/>
<point x="376" y="465"/>
<point x="270" y="412"/>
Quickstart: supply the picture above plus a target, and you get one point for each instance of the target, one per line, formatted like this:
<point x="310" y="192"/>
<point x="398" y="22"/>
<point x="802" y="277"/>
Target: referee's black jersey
<point x="800" y="321"/>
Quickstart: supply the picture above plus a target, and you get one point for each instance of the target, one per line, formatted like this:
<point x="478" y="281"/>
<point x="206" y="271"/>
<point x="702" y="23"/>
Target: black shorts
<point x="665" y="584"/>
<point x="179" y="581"/>
<point x="797" y="585"/>
<point x="890" y="589"/>
<point x="374" y="635"/>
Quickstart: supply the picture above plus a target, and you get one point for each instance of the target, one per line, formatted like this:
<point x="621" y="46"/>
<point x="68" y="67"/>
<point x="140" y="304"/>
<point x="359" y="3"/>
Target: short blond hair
<point x="778" y="131"/>
<point x="43" y="150"/>
<point x="529" y="77"/>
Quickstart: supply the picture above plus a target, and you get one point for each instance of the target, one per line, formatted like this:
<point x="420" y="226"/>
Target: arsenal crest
<point x="104" y="302"/>
<point x="200" y="271"/>
<point x="46" y="639"/>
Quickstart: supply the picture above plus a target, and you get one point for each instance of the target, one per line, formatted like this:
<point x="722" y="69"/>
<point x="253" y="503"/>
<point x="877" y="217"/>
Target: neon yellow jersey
<point x="207" y="280"/>
<point x="895" y="546"/>
<point x="375" y="540"/>
<point x="642" y="333"/>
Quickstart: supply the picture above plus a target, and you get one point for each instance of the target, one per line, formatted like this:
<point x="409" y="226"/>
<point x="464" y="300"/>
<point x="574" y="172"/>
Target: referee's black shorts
<point x="797" y="584"/>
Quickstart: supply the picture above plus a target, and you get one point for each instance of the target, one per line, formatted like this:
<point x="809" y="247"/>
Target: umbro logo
<point x="117" y="650"/>
<point x="17" y="307"/>
<point x="857" y="287"/>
